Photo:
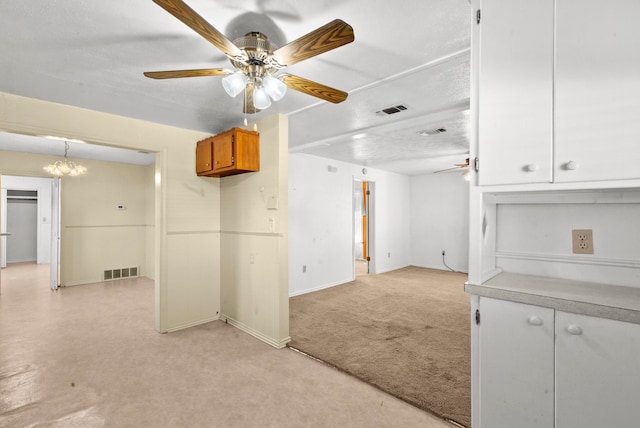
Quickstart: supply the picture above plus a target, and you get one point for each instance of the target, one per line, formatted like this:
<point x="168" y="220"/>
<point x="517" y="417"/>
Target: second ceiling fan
<point x="257" y="61"/>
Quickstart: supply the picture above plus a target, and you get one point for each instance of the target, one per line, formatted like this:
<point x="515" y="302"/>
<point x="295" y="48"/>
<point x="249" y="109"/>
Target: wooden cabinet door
<point x="597" y="372"/>
<point x="223" y="153"/>
<point x="597" y="90"/>
<point x="516" y="359"/>
<point x="515" y="98"/>
<point x="204" y="156"/>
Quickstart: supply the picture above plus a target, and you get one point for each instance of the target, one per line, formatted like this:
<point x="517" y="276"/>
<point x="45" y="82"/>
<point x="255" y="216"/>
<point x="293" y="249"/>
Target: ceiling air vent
<point x="391" y="110"/>
<point x="427" y="132"/>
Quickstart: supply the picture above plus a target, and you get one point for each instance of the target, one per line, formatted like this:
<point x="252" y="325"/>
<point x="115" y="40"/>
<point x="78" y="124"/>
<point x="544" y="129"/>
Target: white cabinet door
<point x="597" y="90"/>
<point x="515" y="365"/>
<point x="597" y="372"/>
<point x="515" y="101"/>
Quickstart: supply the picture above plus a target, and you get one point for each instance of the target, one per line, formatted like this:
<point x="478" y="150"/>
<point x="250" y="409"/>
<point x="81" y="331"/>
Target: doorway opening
<point x="363" y="227"/>
<point x="30" y="224"/>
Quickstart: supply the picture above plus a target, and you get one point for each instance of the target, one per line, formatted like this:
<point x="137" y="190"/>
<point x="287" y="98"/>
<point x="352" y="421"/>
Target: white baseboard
<point x="391" y="269"/>
<point x="278" y="344"/>
<point x="192" y="324"/>
<point x="321" y="287"/>
<point x="439" y="267"/>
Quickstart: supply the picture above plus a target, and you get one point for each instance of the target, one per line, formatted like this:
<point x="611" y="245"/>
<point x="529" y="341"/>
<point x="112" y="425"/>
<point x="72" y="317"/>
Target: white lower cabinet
<point x="515" y="365"/>
<point x="597" y="372"/>
<point x="538" y="367"/>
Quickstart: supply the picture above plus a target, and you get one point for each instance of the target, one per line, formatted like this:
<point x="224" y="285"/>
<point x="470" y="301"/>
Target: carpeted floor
<point x="406" y="332"/>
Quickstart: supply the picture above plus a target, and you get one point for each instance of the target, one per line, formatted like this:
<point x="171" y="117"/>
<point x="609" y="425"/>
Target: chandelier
<point x="65" y="166"/>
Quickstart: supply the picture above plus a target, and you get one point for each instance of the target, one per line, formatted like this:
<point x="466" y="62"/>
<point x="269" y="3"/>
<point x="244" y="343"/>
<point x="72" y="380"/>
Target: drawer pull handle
<point x="532" y="167"/>
<point x="574" y="329"/>
<point x="535" y="320"/>
<point x="571" y="165"/>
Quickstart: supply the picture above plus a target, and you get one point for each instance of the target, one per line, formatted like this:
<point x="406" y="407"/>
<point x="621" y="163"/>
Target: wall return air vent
<point x="112" y="274"/>
<point x="391" y="110"/>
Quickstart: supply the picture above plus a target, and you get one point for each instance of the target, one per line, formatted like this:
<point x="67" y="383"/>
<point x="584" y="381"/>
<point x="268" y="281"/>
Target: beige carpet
<point x="406" y="332"/>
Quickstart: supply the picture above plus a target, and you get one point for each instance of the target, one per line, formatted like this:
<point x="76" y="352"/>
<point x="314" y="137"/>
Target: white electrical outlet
<point x="582" y="241"/>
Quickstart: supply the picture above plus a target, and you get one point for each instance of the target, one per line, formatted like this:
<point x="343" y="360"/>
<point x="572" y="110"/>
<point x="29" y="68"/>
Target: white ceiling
<point x="415" y="53"/>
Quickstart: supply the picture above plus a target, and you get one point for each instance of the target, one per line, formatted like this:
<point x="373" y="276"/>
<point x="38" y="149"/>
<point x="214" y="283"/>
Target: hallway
<point x="89" y="356"/>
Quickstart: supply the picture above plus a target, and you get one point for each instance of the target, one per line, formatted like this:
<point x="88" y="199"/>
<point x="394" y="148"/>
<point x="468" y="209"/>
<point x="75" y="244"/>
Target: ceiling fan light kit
<point x="274" y="87"/>
<point x="260" y="98"/>
<point x="257" y="60"/>
<point x="234" y="84"/>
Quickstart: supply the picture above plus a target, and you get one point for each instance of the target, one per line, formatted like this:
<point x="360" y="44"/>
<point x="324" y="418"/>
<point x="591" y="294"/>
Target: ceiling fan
<point x="458" y="166"/>
<point x="257" y="61"/>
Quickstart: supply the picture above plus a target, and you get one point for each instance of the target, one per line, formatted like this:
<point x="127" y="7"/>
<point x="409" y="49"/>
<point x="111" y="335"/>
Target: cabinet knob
<point x="571" y="165"/>
<point x="535" y="320"/>
<point x="532" y="167"/>
<point x="574" y="329"/>
<point x="206" y="164"/>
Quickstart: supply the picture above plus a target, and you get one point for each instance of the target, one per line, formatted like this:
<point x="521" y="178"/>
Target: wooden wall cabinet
<point x="232" y="152"/>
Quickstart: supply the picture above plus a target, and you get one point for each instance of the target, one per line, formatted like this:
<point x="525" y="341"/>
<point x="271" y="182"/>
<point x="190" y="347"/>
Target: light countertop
<point x="599" y="300"/>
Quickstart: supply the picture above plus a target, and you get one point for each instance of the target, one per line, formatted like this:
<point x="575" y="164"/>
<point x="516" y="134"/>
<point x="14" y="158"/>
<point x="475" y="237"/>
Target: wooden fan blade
<point x="314" y="89"/>
<point x="198" y="24"/>
<point x="172" y="74"/>
<point x="328" y="37"/>
<point x="249" y="107"/>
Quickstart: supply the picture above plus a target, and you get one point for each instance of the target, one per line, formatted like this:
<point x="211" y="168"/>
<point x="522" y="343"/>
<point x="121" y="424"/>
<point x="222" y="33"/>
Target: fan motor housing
<point x="258" y="50"/>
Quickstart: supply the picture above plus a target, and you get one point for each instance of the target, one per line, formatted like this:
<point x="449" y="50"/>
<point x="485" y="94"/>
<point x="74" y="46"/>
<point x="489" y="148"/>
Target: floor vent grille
<point x="120" y="273"/>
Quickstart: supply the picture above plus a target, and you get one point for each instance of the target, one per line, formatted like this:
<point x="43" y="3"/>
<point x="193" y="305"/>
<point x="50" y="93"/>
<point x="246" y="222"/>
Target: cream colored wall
<point x="187" y="221"/>
<point x="254" y="241"/>
<point x="95" y="235"/>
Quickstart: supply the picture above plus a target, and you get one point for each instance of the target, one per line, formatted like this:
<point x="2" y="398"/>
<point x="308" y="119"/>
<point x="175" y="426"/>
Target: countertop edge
<point x="571" y="306"/>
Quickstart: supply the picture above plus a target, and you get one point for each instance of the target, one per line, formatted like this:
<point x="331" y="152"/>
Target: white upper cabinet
<point x="515" y="99"/>
<point x="597" y="90"/>
<point x="558" y="91"/>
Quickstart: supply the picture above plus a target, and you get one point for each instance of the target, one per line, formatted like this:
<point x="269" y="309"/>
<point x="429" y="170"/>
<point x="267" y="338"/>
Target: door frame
<point x="54" y="221"/>
<point x="371" y="240"/>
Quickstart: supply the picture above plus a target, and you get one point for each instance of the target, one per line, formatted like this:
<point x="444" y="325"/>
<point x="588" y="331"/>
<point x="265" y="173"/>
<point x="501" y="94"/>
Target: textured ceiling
<point x="92" y="55"/>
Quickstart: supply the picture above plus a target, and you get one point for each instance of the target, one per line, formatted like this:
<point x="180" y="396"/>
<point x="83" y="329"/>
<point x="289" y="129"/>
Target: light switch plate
<point x="272" y="203"/>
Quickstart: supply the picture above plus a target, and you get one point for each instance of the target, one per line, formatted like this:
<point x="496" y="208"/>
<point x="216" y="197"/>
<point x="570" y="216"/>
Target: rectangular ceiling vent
<point x="391" y="110"/>
<point x="427" y="132"/>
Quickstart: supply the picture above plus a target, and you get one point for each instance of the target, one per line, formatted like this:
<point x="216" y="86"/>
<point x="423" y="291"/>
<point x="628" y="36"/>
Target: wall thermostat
<point x="364" y="171"/>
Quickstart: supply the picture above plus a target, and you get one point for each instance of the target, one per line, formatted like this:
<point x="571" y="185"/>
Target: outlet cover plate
<point x="582" y="240"/>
